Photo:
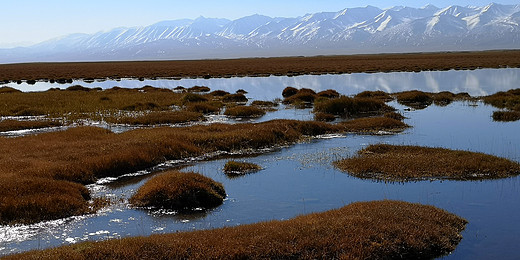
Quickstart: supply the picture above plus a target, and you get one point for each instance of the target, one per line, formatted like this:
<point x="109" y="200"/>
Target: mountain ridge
<point x="349" y="31"/>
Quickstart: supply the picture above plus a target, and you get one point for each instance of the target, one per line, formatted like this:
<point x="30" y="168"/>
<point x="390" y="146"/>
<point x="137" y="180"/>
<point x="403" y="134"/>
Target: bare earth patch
<point x="363" y="230"/>
<point x="408" y="163"/>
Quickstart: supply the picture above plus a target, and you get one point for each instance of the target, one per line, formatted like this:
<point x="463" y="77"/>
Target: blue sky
<point x="32" y="21"/>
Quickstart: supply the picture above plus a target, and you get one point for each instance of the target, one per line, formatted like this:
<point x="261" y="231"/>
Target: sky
<point x="26" y="22"/>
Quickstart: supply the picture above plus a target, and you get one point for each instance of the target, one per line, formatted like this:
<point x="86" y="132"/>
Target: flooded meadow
<point x="300" y="178"/>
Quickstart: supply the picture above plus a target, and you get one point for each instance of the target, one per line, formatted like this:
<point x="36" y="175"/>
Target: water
<point x="475" y="82"/>
<point x="300" y="179"/>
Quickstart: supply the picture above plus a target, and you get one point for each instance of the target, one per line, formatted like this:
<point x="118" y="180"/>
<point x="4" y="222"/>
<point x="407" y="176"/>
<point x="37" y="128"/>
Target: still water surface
<point x="300" y="179"/>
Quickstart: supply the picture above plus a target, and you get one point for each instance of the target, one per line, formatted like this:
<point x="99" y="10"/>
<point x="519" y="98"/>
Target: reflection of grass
<point x="240" y="168"/>
<point x="363" y="230"/>
<point x="179" y="190"/>
<point x="402" y="163"/>
<point x="506" y="116"/>
<point x="13" y="125"/>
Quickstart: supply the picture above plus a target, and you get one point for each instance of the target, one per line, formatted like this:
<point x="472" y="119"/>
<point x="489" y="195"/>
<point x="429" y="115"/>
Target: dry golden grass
<point x="13" y="125"/>
<point x="375" y="94"/>
<point x="234" y="98"/>
<point x="81" y="155"/>
<point x="179" y="191"/>
<point x="157" y="118"/>
<point x="509" y="100"/>
<point x="324" y="117"/>
<point x="204" y="107"/>
<point x="244" y="111"/>
<point x="406" y="163"/>
<point x="235" y="168"/>
<point x="374" y="125"/>
<point x="362" y="230"/>
<point x="420" y="100"/>
<point x="352" y="107"/>
<point x="262" y="66"/>
<point x="264" y="104"/>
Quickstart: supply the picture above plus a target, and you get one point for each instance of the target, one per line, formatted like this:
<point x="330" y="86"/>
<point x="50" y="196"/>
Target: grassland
<point x="363" y="230"/>
<point x="81" y="155"/>
<point x="409" y="163"/>
<point x="179" y="191"/>
<point x="261" y="66"/>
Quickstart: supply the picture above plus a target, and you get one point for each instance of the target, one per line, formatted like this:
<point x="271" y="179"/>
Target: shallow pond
<point x="300" y="179"/>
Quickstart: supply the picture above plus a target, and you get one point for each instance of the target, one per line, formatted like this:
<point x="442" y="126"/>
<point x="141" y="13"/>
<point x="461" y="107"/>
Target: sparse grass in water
<point x="362" y="230"/>
<point x="405" y="163"/>
<point x="179" y="191"/>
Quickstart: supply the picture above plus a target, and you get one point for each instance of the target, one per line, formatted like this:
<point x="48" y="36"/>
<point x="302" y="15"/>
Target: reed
<point x="409" y="163"/>
<point x="363" y="230"/>
<point x="179" y="191"/>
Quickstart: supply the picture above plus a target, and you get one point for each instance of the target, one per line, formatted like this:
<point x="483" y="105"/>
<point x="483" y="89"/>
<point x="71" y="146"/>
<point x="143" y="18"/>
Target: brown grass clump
<point x="509" y="99"/>
<point x="204" y="107"/>
<point x="234" y="98"/>
<point x="289" y="91"/>
<point x="374" y="125"/>
<point x="324" y="117"/>
<point x="405" y="163"/>
<point x="303" y="98"/>
<point x="375" y="94"/>
<point x="13" y="125"/>
<point x="506" y="116"/>
<point x="414" y="98"/>
<point x="235" y="168"/>
<point x="352" y="107"/>
<point x="198" y="89"/>
<point x="219" y="93"/>
<point x="179" y="191"/>
<point x="244" y="111"/>
<point x="266" y="104"/>
<point x="154" y="118"/>
<point x="329" y="93"/>
<point x="394" y="115"/>
<point x="193" y="98"/>
<point x="363" y="230"/>
<point x="78" y="88"/>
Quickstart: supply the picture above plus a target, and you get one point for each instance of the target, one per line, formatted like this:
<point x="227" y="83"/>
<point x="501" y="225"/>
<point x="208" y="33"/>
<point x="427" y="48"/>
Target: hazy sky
<point x="32" y="21"/>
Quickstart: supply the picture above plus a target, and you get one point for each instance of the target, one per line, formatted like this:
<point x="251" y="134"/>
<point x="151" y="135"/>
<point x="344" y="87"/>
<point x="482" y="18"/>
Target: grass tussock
<point x="193" y="98"/>
<point x="303" y="98"/>
<point x="394" y="115"/>
<point x="329" y="93"/>
<point x="14" y="125"/>
<point x="374" y="125"/>
<point x="362" y="230"/>
<point x="506" y="100"/>
<point x="158" y="118"/>
<point x="506" y="116"/>
<point x="266" y="104"/>
<point x="198" y="89"/>
<point x="324" y="117"/>
<point x="219" y="93"/>
<point x="378" y="94"/>
<point x="234" y="98"/>
<point x="244" y="111"/>
<point x="235" y="168"/>
<point x="405" y="163"/>
<point x="289" y="91"/>
<point x="204" y="107"/>
<point x="414" y="98"/>
<point x="179" y="191"/>
<point x="352" y="107"/>
<point x="84" y="154"/>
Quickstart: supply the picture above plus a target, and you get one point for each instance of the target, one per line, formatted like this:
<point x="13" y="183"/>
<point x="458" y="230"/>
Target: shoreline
<point x="262" y="67"/>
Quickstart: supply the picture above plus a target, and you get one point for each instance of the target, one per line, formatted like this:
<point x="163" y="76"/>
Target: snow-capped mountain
<point x="352" y="30"/>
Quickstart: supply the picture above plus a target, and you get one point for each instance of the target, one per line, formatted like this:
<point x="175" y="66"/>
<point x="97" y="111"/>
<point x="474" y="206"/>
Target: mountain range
<point x="353" y="30"/>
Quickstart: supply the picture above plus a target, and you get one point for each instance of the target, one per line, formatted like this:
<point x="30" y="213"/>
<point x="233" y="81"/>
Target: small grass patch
<point x="378" y="94"/>
<point x="235" y="168"/>
<point x="374" y="125"/>
<point x="204" y="107"/>
<point x="509" y="99"/>
<point x="363" y="230"/>
<point x="266" y="104"/>
<point x="352" y="107"/>
<point x="198" y="89"/>
<point x="408" y="163"/>
<point x="303" y="98"/>
<point x="14" y="125"/>
<point x="329" y="93"/>
<point x="179" y="191"/>
<point x="394" y="115"/>
<point x="155" y="118"/>
<point x="289" y="91"/>
<point x="414" y="98"/>
<point x="324" y="117"/>
<point x="234" y="98"/>
<point x="244" y="111"/>
<point x="193" y="98"/>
